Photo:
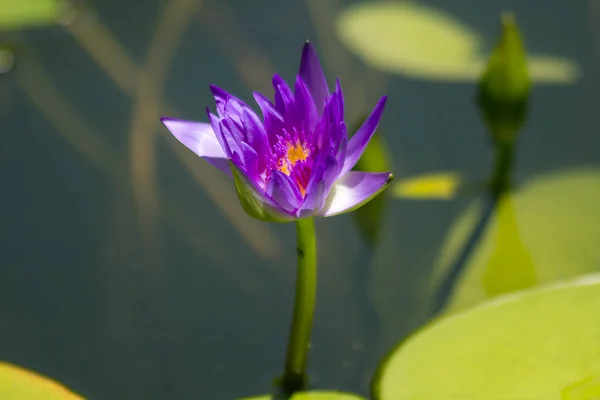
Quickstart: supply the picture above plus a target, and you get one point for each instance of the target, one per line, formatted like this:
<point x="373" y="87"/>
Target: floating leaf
<point x="510" y="267"/>
<point x="530" y="345"/>
<point x="313" y="395"/>
<point x="17" y="383"/>
<point x="544" y="231"/>
<point x="547" y="69"/>
<point x="412" y="39"/>
<point x="438" y="185"/>
<point x="26" y="13"/>
<point x="586" y="389"/>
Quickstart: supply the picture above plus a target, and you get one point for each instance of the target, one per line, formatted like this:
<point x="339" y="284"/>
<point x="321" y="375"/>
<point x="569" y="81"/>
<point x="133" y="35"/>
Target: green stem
<point x="294" y="377"/>
<point x="503" y="167"/>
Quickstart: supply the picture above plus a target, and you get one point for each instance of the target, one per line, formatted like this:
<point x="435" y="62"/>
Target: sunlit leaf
<point x="440" y="185"/>
<point x="412" y="39"/>
<point x="26" y="13"/>
<point x="547" y="69"/>
<point x="17" y="383"/>
<point x="510" y="267"/>
<point x="586" y="389"/>
<point x="530" y="345"/>
<point x="313" y="395"/>
<point x="545" y="231"/>
<point x="408" y="38"/>
<point x="325" y="395"/>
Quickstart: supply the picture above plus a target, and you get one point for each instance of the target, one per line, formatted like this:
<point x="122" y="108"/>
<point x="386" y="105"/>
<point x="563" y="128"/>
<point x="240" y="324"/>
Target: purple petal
<point x="255" y="132"/>
<point x="200" y="138"/>
<point x="255" y="201"/>
<point x="353" y="190"/>
<point x="312" y="75"/>
<point x="324" y="173"/>
<point x="285" y="192"/>
<point x="215" y="122"/>
<point x="336" y="109"/>
<point x="315" y="193"/>
<point x="283" y="95"/>
<point x="233" y="134"/>
<point x="230" y="140"/>
<point x="305" y="108"/>
<point x="340" y="148"/>
<point x="322" y="133"/>
<point x="222" y="97"/>
<point x="250" y="161"/>
<point x="273" y="119"/>
<point x="339" y="104"/>
<point x="327" y="133"/>
<point x="358" y="142"/>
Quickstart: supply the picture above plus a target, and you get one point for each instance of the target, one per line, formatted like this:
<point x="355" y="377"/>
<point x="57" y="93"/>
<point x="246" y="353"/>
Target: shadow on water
<point x="503" y="101"/>
<point x="497" y="190"/>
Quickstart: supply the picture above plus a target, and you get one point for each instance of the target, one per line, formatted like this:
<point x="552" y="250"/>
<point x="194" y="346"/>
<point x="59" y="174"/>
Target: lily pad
<point x="418" y="41"/>
<point x="27" y="13"/>
<point x="544" y="231"/>
<point x="537" y="344"/>
<point x="17" y="383"/>
<point x="442" y="185"/>
<point x="314" y="395"/>
<point x="436" y="185"/>
<point x="588" y="388"/>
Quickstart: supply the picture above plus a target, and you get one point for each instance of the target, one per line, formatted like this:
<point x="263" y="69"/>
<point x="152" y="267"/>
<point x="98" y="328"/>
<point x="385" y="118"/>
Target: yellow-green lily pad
<point x="17" y="383"/>
<point x="546" y="230"/>
<point x="27" y="13"/>
<point x="422" y="42"/>
<point x="441" y="185"/>
<point x="313" y="395"/>
<point x="435" y="185"/>
<point x="535" y="344"/>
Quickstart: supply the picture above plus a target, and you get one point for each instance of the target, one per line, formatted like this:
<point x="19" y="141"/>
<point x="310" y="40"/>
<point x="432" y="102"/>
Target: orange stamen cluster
<point x="295" y="152"/>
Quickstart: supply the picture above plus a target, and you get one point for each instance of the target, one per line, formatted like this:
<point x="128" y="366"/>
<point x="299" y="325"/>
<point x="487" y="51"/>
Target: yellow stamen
<point x="295" y="152"/>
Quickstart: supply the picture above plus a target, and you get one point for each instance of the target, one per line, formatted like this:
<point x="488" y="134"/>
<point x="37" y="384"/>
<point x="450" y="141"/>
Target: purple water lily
<point x="296" y="162"/>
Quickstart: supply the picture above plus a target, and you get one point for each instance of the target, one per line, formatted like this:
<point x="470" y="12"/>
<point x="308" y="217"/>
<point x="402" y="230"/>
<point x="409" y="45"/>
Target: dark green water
<point x="125" y="278"/>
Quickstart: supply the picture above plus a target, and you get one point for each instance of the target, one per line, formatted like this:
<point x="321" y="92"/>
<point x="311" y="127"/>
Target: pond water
<point x="128" y="270"/>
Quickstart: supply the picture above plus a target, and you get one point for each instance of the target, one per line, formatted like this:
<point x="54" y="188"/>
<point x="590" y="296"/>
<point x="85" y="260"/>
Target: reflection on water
<point x="129" y="270"/>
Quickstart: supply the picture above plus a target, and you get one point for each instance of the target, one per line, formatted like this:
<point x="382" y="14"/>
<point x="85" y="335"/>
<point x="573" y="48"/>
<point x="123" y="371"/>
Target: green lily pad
<point x="17" y="383"/>
<point x="418" y="41"/>
<point x="27" y="13"/>
<point x="537" y="344"/>
<point x="314" y="395"/>
<point x="441" y="185"/>
<point x="435" y="185"/>
<point x="588" y="388"/>
<point x="544" y="231"/>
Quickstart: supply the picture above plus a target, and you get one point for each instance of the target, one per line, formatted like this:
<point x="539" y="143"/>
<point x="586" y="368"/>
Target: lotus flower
<point x="296" y="161"/>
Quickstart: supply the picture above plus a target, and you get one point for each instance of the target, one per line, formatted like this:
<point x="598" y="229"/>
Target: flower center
<point x="295" y="153"/>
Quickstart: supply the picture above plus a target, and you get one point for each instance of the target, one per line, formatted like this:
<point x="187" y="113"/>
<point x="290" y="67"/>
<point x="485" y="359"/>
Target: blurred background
<point x="128" y="270"/>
